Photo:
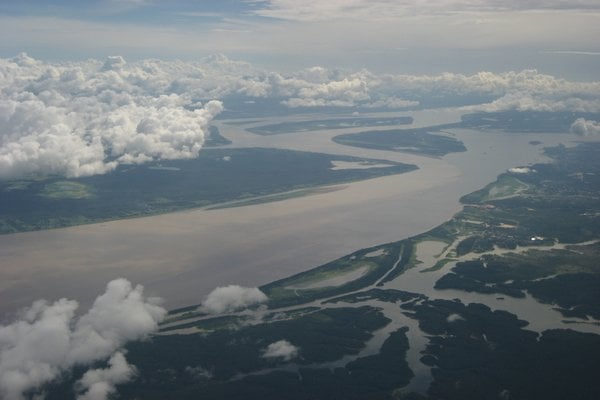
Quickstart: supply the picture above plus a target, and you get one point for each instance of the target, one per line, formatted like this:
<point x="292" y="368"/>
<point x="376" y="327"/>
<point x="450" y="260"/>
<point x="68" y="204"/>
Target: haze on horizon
<point x="556" y="37"/>
<point x="112" y="82"/>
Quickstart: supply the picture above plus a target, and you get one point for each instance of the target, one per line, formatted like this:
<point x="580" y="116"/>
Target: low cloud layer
<point x="281" y="349"/>
<point x="98" y="384"/>
<point x="232" y="298"/>
<point x="583" y="127"/>
<point x="87" y="118"/>
<point x="520" y="170"/>
<point x="49" y="340"/>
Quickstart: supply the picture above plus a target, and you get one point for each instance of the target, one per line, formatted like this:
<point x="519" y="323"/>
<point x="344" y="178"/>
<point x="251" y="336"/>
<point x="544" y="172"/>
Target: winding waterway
<point x="182" y="256"/>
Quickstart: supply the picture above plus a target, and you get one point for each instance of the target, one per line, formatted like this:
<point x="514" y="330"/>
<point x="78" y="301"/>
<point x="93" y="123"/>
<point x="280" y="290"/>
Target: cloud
<point x="514" y="90"/>
<point x="48" y="340"/>
<point x="281" y="349"/>
<point x="119" y="315"/>
<point x="330" y="31"/>
<point x="525" y="90"/>
<point x="454" y="318"/>
<point x="199" y="372"/>
<point x="320" y="87"/>
<point x="522" y="101"/>
<point x="98" y="384"/>
<point x="82" y="119"/>
<point x="370" y="10"/>
<point x="520" y="170"/>
<point x="583" y="127"/>
<point x="231" y="298"/>
<point x="89" y="117"/>
<point x="33" y="350"/>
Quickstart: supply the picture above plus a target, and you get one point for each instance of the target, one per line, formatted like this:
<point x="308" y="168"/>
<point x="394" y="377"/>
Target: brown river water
<point x="182" y="256"/>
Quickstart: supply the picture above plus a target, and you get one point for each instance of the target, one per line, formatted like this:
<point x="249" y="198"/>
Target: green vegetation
<point x="230" y="363"/>
<point x="66" y="190"/>
<point x="201" y="366"/>
<point x="474" y="352"/>
<point x="505" y="186"/>
<point x="425" y="141"/>
<point x="464" y="283"/>
<point x="418" y="141"/>
<point x="209" y="324"/>
<point x="382" y="373"/>
<point x="557" y="202"/>
<point x="293" y="290"/>
<point x="439" y="265"/>
<point x="337" y="123"/>
<point x="216" y="176"/>
<point x="406" y="256"/>
<point x="568" y="278"/>
<point x="289" y="314"/>
<point x="525" y="121"/>
<point x="487" y="355"/>
<point x="387" y="295"/>
<point x="274" y="197"/>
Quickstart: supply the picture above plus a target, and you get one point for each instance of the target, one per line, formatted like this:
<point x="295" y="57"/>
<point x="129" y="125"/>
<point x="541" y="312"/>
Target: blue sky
<point x="427" y="36"/>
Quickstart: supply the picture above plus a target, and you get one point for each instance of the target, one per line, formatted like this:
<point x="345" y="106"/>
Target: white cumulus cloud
<point x="281" y="349"/>
<point x="86" y="118"/>
<point x="99" y="384"/>
<point x="231" y="298"/>
<point x="48" y="340"/>
<point x="520" y="170"/>
<point x="89" y="117"/>
<point x="526" y="90"/>
<point x="583" y="127"/>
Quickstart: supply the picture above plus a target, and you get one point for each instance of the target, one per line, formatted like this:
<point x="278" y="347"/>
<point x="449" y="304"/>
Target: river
<point x="182" y="256"/>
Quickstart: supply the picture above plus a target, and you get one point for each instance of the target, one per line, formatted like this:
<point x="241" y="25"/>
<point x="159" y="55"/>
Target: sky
<point x="558" y="37"/>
